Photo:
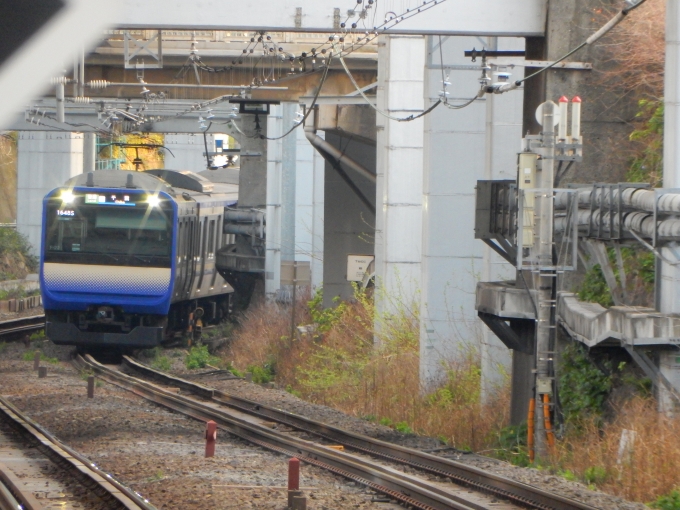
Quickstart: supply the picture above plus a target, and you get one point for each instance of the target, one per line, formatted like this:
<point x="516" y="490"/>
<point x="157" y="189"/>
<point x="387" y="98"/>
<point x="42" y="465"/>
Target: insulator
<point x="59" y="79"/>
<point x="98" y="84"/>
<point x="81" y="99"/>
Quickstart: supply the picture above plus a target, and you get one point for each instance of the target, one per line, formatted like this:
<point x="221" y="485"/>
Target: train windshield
<point x="140" y="235"/>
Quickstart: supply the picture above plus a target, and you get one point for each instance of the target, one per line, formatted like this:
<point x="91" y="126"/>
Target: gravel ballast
<point x="160" y="453"/>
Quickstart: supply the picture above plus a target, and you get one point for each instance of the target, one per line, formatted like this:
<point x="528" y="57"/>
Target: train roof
<point x="169" y="181"/>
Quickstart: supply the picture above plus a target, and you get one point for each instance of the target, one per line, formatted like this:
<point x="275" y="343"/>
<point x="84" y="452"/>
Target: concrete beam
<point x="450" y="17"/>
<point x="589" y="323"/>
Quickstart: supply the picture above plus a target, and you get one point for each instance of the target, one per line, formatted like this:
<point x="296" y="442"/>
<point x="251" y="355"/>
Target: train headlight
<point x="153" y="200"/>
<point x="67" y="197"/>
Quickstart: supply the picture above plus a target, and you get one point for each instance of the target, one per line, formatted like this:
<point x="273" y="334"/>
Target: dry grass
<point x="343" y="364"/>
<point x="8" y="178"/>
<point x="637" y="47"/>
<point x="648" y="469"/>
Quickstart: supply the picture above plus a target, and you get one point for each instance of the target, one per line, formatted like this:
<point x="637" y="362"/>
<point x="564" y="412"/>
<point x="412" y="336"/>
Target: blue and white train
<point x="128" y="258"/>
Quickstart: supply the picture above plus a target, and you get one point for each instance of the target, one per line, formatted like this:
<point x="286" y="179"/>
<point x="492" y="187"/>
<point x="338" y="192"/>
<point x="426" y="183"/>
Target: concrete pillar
<point x="522" y="381"/>
<point x="456" y="156"/>
<point x="45" y="161"/>
<point x="669" y="366"/>
<point x="399" y="165"/>
<point x="668" y="277"/>
<point x="187" y="151"/>
<point x="304" y="197"/>
<point x="288" y="180"/>
<point x="89" y="152"/>
<point x="274" y="156"/>
<point x="348" y="222"/>
<point x="317" y="223"/>
<point x="503" y="133"/>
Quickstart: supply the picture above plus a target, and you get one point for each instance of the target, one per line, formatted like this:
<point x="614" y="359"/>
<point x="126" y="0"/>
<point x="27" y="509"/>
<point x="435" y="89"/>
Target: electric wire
<point x="378" y="110"/>
<point x="194" y="62"/>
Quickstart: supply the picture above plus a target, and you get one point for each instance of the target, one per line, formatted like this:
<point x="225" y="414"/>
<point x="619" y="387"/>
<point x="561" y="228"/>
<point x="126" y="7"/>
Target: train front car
<point x="106" y="267"/>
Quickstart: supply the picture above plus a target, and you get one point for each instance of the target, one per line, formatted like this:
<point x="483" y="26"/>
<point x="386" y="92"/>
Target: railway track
<point x="22" y="325"/>
<point x="466" y="487"/>
<point x="37" y="471"/>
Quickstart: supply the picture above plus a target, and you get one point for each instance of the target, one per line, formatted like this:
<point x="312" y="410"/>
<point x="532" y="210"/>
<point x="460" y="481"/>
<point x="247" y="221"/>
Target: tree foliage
<point x="583" y="387"/>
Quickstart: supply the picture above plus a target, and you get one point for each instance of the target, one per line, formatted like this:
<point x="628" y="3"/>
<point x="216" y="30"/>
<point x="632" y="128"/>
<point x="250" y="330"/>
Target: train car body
<point x="128" y="258"/>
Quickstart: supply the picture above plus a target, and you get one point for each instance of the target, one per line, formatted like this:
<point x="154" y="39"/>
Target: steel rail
<point x="10" y="485"/>
<point x="7" y="499"/>
<point x="114" y="493"/>
<point x="471" y="476"/>
<point x="32" y="323"/>
<point x="410" y="490"/>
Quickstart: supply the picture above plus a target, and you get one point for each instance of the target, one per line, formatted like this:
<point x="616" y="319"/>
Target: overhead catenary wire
<point x="194" y="62"/>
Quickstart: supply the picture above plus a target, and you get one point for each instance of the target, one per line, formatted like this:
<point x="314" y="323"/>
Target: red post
<point x="294" y="474"/>
<point x="210" y="438"/>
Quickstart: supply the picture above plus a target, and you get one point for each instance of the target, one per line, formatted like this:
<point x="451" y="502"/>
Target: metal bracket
<point x="336" y="18"/>
<point x="582" y="66"/>
<point x="651" y="370"/>
<point x="506" y="334"/>
<point x="143" y="47"/>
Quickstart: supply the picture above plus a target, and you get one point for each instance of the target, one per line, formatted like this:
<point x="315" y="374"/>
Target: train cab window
<point x="107" y="235"/>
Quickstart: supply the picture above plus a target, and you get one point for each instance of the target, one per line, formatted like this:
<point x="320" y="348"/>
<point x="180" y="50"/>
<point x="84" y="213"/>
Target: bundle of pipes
<point x="636" y="198"/>
<point x="246" y="222"/>
<point x="639" y="222"/>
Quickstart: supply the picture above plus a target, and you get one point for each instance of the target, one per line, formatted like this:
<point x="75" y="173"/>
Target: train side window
<point x="180" y="239"/>
<point x="204" y="240"/>
<point x="190" y="237"/>
<point x="218" y="233"/>
<point x="211" y="238"/>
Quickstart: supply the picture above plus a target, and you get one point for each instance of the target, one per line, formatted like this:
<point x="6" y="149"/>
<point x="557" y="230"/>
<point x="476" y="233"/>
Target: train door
<point x="190" y="255"/>
<point x="204" y="250"/>
<point x="180" y="265"/>
<point x="217" y="229"/>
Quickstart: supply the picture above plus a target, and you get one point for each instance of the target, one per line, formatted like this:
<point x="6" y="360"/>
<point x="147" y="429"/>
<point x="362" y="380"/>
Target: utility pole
<point x="544" y="273"/>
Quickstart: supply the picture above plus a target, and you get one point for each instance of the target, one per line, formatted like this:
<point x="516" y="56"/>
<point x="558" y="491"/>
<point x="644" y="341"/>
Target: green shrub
<point x="261" y="374"/>
<point x="647" y="165"/>
<point x="13" y="242"/>
<point x="325" y="318"/>
<point x="38" y="336"/>
<point x="403" y="427"/>
<point x="222" y="330"/>
<point x="583" y="388"/>
<point x="386" y="422"/>
<point x="594" y="288"/>
<point x="292" y="391"/>
<point x="568" y="475"/>
<point x="162" y="363"/>
<point x="30" y="356"/>
<point x="199" y="357"/>
<point x="512" y="445"/>
<point x="595" y="475"/>
<point x="670" y="501"/>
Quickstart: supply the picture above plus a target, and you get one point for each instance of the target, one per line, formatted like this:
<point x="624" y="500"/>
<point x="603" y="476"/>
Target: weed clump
<point x="16" y="260"/>
<point x="366" y="363"/>
<point x="199" y="357"/>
